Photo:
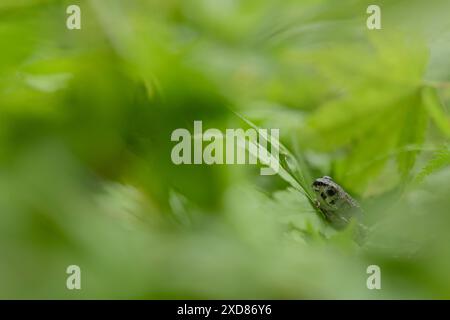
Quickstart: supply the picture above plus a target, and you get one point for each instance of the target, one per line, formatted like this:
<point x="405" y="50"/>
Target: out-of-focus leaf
<point x="439" y="160"/>
<point x="434" y="109"/>
<point x="412" y="135"/>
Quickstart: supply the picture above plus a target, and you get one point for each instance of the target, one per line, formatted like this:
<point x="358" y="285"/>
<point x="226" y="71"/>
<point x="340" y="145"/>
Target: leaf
<point x="296" y="212"/>
<point x="411" y="135"/>
<point x="435" y="110"/>
<point x="48" y="83"/>
<point x="375" y="114"/>
<point x="287" y="164"/>
<point x="440" y="159"/>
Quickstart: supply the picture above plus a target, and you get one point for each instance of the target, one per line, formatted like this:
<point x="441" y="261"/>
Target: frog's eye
<point x="331" y="192"/>
<point x="318" y="183"/>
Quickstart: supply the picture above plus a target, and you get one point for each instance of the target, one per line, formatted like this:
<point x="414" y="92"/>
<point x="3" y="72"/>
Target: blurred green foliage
<point x="86" y="176"/>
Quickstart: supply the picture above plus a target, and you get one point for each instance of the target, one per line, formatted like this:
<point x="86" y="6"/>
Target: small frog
<point x="336" y="204"/>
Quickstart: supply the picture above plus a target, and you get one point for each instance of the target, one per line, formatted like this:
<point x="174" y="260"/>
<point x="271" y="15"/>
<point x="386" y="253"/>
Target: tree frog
<point x="337" y="205"/>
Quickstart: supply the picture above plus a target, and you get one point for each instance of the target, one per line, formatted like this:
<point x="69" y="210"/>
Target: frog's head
<point x="327" y="191"/>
